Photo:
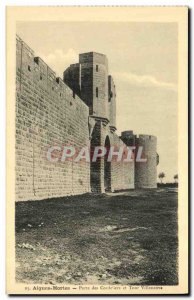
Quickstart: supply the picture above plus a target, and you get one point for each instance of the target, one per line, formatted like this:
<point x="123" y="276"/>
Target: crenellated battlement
<point x="37" y="70"/>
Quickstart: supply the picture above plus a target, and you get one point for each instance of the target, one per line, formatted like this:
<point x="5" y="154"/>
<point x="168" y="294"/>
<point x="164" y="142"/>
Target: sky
<point x="143" y="60"/>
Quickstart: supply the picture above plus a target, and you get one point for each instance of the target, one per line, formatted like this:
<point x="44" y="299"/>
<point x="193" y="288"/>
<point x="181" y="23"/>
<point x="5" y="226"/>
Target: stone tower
<point x="89" y="79"/>
<point x="146" y="172"/>
<point x="94" y="83"/>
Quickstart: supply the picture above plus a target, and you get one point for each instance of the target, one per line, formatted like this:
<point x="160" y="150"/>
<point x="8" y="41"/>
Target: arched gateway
<point x="100" y="169"/>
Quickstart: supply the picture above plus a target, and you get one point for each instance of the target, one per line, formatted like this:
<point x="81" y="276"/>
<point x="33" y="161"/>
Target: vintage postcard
<point x="97" y="150"/>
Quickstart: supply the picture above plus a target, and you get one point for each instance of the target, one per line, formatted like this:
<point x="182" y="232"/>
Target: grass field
<point x="122" y="238"/>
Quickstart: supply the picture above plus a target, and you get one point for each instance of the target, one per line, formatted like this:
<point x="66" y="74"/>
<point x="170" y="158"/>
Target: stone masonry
<point x="80" y="111"/>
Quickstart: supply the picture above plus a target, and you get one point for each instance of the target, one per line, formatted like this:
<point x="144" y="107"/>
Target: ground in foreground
<point x="124" y="238"/>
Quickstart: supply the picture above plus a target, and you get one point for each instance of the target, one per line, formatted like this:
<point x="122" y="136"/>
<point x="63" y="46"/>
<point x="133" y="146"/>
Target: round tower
<point x="146" y="171"/>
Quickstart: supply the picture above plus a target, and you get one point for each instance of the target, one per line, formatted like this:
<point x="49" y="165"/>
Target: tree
<point x="176" y="178"/>
<point x="161" y="176"/>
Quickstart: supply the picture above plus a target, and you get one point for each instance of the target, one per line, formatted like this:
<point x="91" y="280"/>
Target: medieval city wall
<point x="122" y="172"/>
<point x="47" y="114"/>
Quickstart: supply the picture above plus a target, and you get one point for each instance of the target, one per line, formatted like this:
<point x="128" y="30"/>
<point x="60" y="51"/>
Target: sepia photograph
<point x="97" y="132"/>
